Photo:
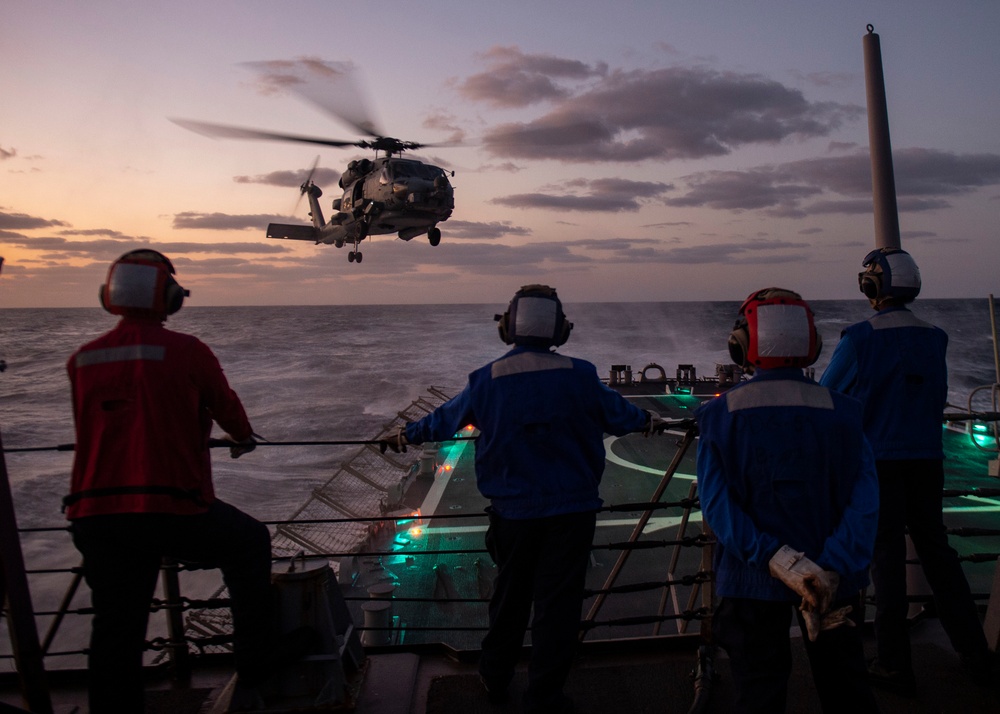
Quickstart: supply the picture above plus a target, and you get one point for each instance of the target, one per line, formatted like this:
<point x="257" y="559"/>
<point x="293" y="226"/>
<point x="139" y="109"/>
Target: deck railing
<point x="355" y="520"/>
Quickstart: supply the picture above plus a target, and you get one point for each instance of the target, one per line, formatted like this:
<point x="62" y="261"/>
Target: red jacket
<point x="144" y="398"/>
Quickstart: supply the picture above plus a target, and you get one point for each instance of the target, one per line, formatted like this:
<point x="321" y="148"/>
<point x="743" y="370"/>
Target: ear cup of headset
<point x="565" y="327"/>
<point x="739" y="343"/>
<point x="871" y="284"/>
<point x="173" y="295"/>
<point x="503" y="327"/>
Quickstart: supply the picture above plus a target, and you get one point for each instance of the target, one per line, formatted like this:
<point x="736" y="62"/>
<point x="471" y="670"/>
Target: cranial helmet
<point x="534" y="318"/>
<point x="141" y="284"/>
<point x="889" y="274"/>
<point x="775" y="328"/>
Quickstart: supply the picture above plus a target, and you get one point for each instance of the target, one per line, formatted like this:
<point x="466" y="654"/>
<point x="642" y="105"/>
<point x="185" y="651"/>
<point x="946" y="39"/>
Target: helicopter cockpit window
<point x="405" y="169"/>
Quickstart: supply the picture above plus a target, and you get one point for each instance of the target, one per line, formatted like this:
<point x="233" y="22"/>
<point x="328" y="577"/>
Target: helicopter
<point x="382" y="195"/>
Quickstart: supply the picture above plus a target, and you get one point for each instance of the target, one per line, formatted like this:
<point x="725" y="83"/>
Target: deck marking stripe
<point x="442" y="477"/>
<point x="654" y="524"/>
<point x="990" y="505"/>
<point x="615" y="459"/>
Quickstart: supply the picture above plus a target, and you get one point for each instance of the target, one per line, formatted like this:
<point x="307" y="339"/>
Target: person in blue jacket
<point x="542" y="417"/>
<point x="894" y="363"/>
<point x="787" y="484"/>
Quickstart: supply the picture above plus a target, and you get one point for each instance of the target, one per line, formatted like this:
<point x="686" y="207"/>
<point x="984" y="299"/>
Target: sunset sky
<point x="626" y="151"/>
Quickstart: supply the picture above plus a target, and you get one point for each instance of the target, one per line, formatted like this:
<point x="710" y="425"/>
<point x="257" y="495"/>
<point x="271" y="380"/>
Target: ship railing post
<point x="16" y="599"/>
<point x="682" y="447"/>
<point x="991" y="624"/>
<point x="180" y="660"/>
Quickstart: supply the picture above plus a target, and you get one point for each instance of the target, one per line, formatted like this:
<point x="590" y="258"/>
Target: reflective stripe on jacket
<point x="542" y="418"/>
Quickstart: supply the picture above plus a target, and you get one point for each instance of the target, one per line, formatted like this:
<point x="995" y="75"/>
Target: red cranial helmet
<point x="775" y="328"/>
<point x="141" y="284"/>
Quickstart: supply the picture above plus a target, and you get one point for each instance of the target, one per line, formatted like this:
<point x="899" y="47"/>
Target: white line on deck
<point x="442" y="477"/>
<point x="615" y="459"/>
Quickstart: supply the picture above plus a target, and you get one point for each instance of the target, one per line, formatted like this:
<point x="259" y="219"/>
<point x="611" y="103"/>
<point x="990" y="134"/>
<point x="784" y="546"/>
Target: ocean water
<point x="342" y="373"/>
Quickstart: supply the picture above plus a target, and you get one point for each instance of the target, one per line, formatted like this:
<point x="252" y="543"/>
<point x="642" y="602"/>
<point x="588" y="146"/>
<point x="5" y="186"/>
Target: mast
<point x="883" y="179"/>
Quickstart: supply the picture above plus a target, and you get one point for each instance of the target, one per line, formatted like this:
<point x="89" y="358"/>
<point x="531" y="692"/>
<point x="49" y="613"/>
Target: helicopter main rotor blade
<point x="224" y="131"/>
<point x="331" y="86"/>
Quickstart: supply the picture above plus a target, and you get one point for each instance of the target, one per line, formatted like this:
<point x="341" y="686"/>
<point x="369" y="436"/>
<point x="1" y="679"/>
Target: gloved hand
<point x="240" y="447"/>
<point x="817" y="622"/>
<point x="836" y="618"/>
<point x="655" y="424"/>
<point x="803" y="576"/>
<point x="828" y="591"/>
<point x="396" y="442"/>
<point x="812" y="620"/>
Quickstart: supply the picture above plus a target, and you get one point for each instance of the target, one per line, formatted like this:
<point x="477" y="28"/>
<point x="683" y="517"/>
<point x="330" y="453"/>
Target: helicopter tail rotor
<point x="307" y="185"/>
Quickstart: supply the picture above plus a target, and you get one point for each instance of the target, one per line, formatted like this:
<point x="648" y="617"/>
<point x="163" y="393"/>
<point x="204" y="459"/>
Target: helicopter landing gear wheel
<point x="357" y="256"/>
<point x="434" y="236"/>
<point x="350" y="257"/>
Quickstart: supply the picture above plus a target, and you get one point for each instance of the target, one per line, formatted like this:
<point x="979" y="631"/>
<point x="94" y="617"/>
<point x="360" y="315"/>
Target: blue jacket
<point x="541" y="418"/>
<point x="894" y="363"/>
<point x="783" y="461"/>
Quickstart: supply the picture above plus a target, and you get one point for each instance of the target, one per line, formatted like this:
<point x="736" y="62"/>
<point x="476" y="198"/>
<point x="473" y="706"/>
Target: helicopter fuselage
<point x="380" y="197"/>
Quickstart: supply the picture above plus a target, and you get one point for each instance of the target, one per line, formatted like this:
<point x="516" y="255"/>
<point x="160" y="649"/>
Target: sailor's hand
<point x="240" y="447"/>
<point x="815" y="585"/>
<point x="655" y="424"/>
<point x="816" y="621"/>
<point x="396" y="441"/>
<point x="828" y="591"/>
<point x="835" y="618"/>
<point x="812" y="620"/>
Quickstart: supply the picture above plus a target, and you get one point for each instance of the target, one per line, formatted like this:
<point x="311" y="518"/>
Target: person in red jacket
<point x="144" y="400"/>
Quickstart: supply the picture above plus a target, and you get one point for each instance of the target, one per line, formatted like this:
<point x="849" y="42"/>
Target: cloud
<point x="925" y="179"/>
<point x="22" y="221"/>
<point x="928" y="172"/>
<point x="475" y="230"/>
<point x="442" y="121"/>
<point x="275" y="76"/>
<point x="664" y="114"/>
<point x="515" y="79"/>
<point x="667" y="224"/>
<point x="828" y="79"/>
<point x="320" y="176"/>
<point x="591" y="195"/>
<point x="7" y="153"/>
<point x="226" y="222"/>
<point x="505" y="166"/>
<point x="741" y="190"/>
<point x="112" y="247"/>
<point x="753" y="252"/>
<point x="109" y="232"/>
